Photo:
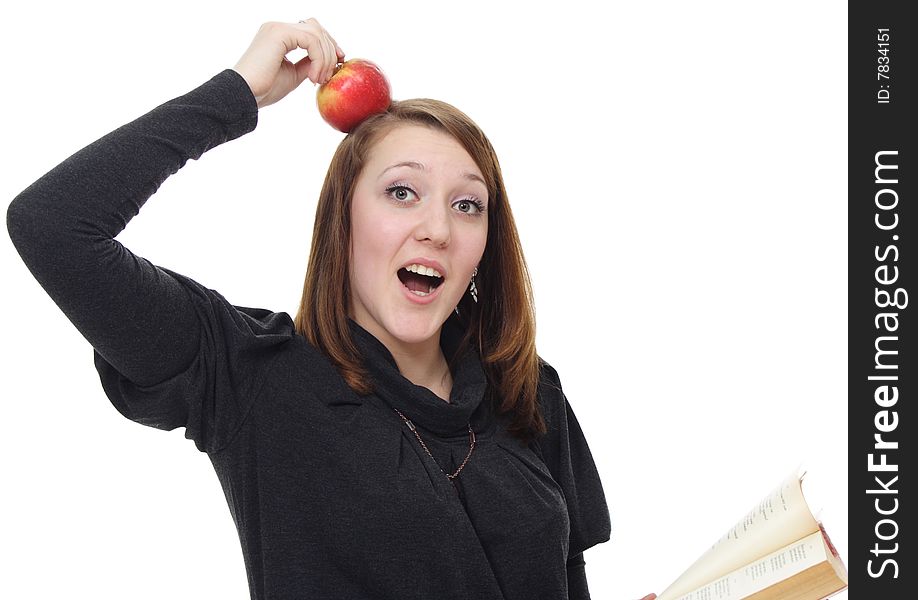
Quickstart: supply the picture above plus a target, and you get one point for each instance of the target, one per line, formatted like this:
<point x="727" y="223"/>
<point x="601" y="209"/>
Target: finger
<point x="339" y="53"/>
<point x="328" y="50"/>
<point x="311" y="69"/>
<point x="316" y="53"/>
<point x="333" y="58"/>
<point x="325" y="61"/>
<point x="302" y="69"/>
<point x="314" y="39"/>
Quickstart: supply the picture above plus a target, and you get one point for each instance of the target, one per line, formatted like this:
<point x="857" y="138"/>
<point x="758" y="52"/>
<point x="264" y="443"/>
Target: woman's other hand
<point x="265" y="67"/>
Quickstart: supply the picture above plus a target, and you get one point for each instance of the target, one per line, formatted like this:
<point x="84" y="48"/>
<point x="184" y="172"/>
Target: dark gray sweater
<point x="331" y="493"/>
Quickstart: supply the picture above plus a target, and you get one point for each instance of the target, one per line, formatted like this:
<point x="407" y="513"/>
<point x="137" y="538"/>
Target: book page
<point x="779" y="519"/>
<point x="765" y="572"/>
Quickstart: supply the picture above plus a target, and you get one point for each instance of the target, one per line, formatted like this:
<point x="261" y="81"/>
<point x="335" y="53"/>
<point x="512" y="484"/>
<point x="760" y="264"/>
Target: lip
<point x="427" y="262"/>
<point x="421" y="299"/>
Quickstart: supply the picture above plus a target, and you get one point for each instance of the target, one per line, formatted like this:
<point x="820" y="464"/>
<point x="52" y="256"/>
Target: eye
<point x="469" y="206"/>
<point x="400" y="193"/>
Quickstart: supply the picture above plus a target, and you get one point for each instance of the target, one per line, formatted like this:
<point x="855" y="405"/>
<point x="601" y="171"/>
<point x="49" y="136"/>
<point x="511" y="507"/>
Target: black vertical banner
<point x="882" y="231"/>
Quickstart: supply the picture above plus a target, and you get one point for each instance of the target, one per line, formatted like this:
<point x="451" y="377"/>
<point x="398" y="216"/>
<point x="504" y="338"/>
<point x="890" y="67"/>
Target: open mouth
<point x="420" y="280"/>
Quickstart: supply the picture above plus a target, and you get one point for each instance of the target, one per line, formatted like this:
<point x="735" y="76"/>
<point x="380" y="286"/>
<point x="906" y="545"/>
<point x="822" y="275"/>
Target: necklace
<point x="414" y="429"/>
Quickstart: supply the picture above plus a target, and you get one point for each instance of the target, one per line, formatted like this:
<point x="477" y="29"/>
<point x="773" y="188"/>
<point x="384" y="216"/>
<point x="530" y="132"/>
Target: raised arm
<point x="136" y="315"/>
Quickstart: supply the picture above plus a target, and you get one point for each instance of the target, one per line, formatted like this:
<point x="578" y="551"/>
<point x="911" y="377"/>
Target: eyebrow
<point x="420" y="167"/>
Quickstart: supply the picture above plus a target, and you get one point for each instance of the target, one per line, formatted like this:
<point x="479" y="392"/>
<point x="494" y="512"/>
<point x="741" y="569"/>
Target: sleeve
<point x="577" y="587"/>
<point x="211" y="397"/>
<point x="146" y="323"/>
<point x="565" y="452"/>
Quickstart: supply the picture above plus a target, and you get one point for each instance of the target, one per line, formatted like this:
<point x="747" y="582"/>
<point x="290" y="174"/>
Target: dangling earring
<point x="472" y="289"/>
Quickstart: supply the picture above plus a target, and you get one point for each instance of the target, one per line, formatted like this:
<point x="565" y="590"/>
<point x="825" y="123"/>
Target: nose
<point x="434" y="225"/>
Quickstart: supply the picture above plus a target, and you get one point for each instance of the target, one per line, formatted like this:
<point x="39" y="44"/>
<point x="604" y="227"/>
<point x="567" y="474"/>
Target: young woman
<point x="399" y="438"/>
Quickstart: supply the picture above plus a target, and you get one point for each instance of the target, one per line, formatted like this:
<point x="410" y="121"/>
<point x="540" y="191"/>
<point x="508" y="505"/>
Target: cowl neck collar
<point x="418" y="403"/>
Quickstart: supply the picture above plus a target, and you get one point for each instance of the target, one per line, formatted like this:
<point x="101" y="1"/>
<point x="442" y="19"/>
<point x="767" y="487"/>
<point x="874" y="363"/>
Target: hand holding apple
<point x="270" y="75"/>
<point x="357" y="90"/>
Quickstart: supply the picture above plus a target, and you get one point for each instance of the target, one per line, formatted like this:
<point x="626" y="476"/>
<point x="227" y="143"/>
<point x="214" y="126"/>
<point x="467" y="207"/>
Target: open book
<point x="777" y="551"/>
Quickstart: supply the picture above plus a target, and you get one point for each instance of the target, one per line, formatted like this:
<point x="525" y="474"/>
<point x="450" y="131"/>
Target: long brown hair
<point x="501" y="325"/>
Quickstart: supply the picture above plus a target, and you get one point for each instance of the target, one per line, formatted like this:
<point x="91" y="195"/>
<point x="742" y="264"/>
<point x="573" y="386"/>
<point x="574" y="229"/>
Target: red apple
<point x="357" y="90"/>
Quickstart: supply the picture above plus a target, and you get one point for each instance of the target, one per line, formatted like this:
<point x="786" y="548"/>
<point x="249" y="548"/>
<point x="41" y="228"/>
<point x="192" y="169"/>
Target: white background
<point x="678" y="174"/>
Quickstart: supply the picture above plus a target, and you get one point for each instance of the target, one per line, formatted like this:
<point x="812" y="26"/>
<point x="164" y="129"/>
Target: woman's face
<point x="419" y="227"/>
